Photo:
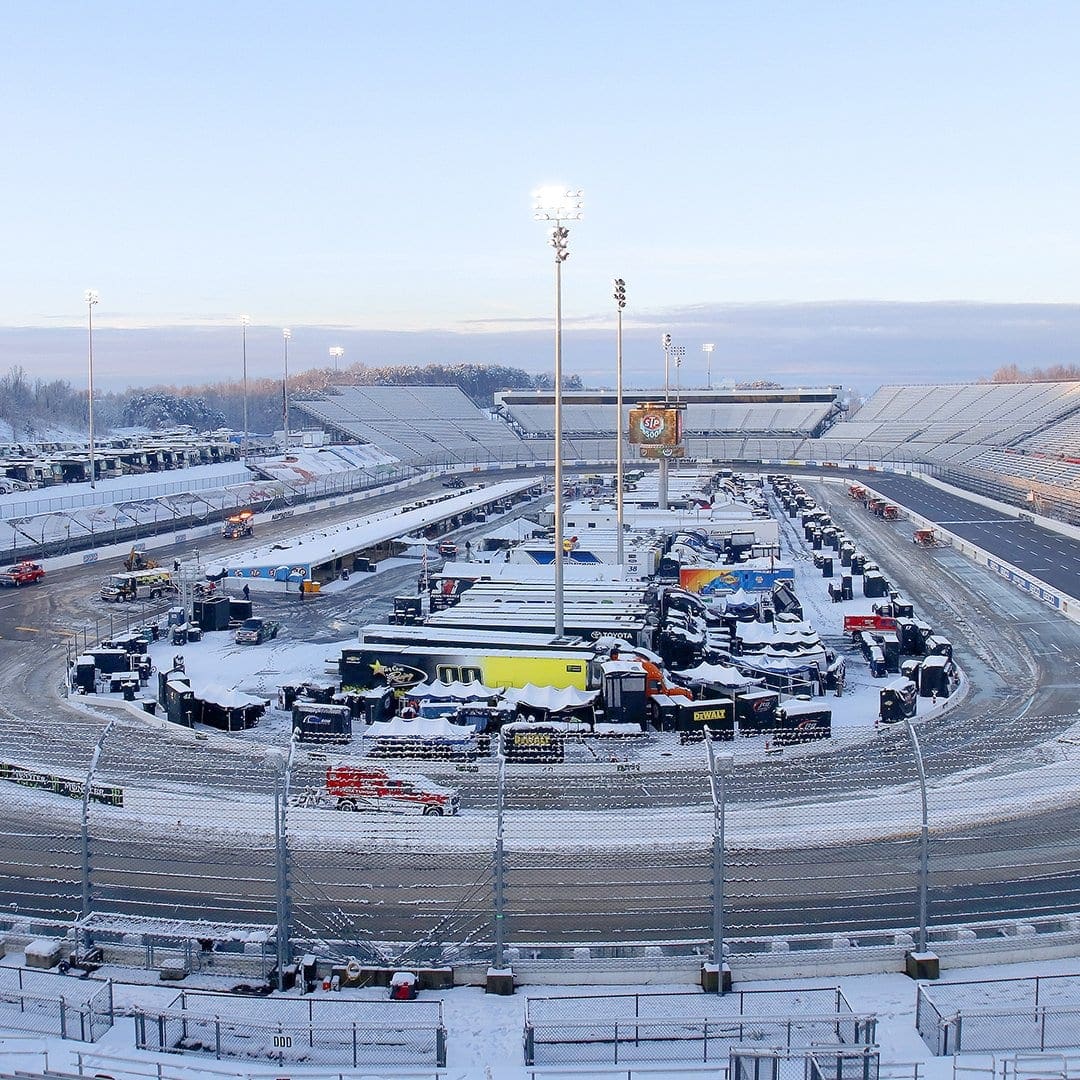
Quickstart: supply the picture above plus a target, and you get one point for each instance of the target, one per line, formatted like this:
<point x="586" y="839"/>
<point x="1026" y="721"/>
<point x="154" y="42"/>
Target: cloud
<point x="859" y="344"/>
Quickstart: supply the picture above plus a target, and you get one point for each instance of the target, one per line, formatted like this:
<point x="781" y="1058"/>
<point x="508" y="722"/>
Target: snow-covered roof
<point x="430" y="728"/>
<point x="227" y="698"/>
<point x="715" y="675"/>
<point x="360" y="534"/>
<point x="549" y="698"/>
<point x="454" y="691"/>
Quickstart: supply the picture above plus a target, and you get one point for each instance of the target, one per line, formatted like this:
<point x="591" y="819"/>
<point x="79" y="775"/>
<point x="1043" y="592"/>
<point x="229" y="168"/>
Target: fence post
<point x="281" y="867"/>
<point x="530" y="1045"/>
<point x="499" y="883"/>
<point x="84" y="834"/>
<point x="924" y="838"/>
<point x="217" y="1038"/>
<point x="721" y="768"/>
<point x="440" y="1047"/>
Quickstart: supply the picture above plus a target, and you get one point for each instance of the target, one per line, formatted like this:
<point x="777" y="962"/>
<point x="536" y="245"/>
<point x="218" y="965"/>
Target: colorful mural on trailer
<point x="713" y="580"/>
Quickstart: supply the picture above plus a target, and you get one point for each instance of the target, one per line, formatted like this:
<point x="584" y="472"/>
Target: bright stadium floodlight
<point x="558" y="204"/>
<point x="90" y="298"/>
<point x="336" y="353"/>
<point x="708" y="351"/>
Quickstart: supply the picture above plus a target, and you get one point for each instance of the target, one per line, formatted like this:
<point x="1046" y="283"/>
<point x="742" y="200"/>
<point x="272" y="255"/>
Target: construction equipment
<point x="238" y="525"/>
<point x="927" y="538"/>
<point x="137" y="559"/>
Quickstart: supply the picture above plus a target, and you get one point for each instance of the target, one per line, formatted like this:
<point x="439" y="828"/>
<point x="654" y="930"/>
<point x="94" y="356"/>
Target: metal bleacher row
<point x="413" y="422"/>
<point x="599" y="420"/>
<point x="1025" y="432"/>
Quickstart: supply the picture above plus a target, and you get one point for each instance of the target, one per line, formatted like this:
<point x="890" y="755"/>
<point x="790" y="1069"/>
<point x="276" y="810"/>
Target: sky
<point x="362" y="173"/>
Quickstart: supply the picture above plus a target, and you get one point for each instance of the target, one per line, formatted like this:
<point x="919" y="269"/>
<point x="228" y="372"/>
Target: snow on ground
<point x="135" y="486"/>
<point x="484" y="1032"/>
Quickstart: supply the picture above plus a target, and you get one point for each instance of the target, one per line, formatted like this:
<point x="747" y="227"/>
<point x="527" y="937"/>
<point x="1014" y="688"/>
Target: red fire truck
<point x="350" y="787"/>
<point x="24" y="573"/>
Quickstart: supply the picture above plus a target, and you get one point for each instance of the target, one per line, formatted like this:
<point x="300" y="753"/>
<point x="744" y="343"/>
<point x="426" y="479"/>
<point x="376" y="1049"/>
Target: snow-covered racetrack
<point x="596" y="854"/>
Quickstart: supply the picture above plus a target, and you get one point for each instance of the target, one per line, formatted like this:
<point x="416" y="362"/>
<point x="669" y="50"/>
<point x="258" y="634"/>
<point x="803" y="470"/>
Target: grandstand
<point x="592" y="414"/>
<point x="1019" y="442"/>
<point x="413" y="423"/>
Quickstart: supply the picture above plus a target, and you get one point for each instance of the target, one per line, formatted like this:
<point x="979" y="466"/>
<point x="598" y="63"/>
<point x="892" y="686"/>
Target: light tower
<point x="91" y="298"/>
<point x="556" y="204"/>
<point x="245" y="320"/>
<point x="336" y="353"/>
<point x="285" y="335"/>
<point x="620" y="303"/>
<point x="708" y="351"/>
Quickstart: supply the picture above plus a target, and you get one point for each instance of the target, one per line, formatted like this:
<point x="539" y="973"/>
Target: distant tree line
<point x="1010" y="373"/>
<point x="30" y="408"/>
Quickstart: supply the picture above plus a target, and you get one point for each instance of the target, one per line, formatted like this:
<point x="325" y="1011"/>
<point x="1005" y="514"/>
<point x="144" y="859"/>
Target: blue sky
<point x="368" y="166"/>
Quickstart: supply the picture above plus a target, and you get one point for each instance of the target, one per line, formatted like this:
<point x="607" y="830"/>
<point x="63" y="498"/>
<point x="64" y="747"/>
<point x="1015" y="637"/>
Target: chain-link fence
<point x="1041" y="1013"/>
<point x="55" y="1005"/>
<point x="297" y="1032"/>
<point x="630" y="1029"/>
<point x="821" y="1063"/>
<point x="612" y="856"/>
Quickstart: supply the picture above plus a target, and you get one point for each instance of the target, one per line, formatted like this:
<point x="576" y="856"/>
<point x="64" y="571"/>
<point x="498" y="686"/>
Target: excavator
<point x="137" y="560"/>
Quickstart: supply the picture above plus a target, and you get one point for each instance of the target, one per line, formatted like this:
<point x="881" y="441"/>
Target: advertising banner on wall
<point x="713" y="580"/>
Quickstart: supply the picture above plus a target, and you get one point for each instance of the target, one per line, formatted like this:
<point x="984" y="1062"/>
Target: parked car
<point x="256" y="631"/>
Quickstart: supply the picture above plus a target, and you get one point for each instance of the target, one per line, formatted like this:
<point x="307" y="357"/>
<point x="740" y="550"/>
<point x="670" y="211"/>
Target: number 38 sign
<point x="654" y="426"/>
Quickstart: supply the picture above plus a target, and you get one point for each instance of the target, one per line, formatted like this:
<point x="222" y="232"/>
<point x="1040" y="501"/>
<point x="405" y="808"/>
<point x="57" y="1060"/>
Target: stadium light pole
<point x="677" y="354"/>
<point x="662" y="500"/>
<point x="91" y="298"/>
<point x="336" y="353"/>
<point x="245" y="320"/>
<point x="285" y="335"/>
<point x="666" y="340"/>
<point x="708" y="351"/>
<point x="620" y="303"/>
<point x="556" y="204"/>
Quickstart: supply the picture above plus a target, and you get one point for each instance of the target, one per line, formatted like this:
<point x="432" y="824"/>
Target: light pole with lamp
<point x="662" y="494"/>
<point x="336" y="353"/>
<point x="557" y="205"/>
<point x="721" y="770"/>
<point x="666" y="341"/>
<point x="708" y="351"/>
<point x="620" y="303"/>
<point x="245" y="320"/>
<point x="285" y="335"/>
<point x="922" y="964"/>
<point x="91" y="298"/>
<point x="677" y="354"/>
